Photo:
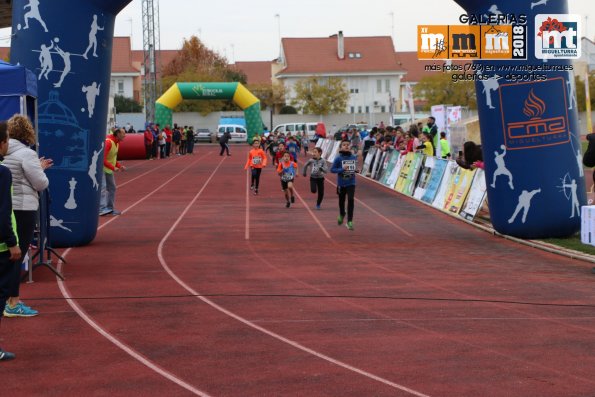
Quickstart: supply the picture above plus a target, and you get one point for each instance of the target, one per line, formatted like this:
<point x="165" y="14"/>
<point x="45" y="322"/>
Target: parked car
<point x="238" y="132"/>
<point x="310" y="129"/>
<point x="202" y="135"/>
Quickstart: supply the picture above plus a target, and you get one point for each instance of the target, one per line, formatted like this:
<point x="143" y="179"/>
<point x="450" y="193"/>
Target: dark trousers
<point x="26" y="221"/>
<point x="149" y="150"/>
<point x="256" y="177"/>
<point x="189" y="146"/>
<point x="349" y="192"/>
<point x="224" y="148"/>
<point x="6" y="271"/>
<point x="317" y="186"/>
<point x="154" y="146"/>
<point x="167" y="149"/>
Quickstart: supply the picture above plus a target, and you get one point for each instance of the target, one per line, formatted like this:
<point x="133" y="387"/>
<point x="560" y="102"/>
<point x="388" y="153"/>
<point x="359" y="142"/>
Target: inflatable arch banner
<point x="529" y="127"/>
<point x="230" y="91"/>
<point x="68" y="46"/>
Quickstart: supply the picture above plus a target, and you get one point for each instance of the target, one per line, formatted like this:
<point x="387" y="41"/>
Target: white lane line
<point x="133" y="353"/>
<point x="251" y="324"/>
<point x="313" y="216"/>
<point x="247" y="234"/>
<point x="405" y="232"/>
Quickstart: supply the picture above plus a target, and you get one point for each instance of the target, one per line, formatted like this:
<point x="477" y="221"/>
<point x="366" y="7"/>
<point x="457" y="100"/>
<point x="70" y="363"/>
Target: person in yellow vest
<point x="10" y="253"/>
<point x="110" y="165"/>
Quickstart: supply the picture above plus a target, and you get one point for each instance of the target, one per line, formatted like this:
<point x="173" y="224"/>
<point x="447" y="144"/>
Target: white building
<point x="367" y="65"/>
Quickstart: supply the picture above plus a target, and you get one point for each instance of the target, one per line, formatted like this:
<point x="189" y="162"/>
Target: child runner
<point x="279" y="154"/>
<point x="257" y="159"/>
<point x="305" y="143"/>
<point x="287" y="170"/>
<point x="319" y="169"/>
<point x="292" y="148"/>
<point x="345" y="168"/>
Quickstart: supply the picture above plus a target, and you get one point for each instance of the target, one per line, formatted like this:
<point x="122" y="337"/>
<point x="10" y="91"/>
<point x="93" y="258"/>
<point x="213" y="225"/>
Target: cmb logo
<point x="557" y="36"/>
<point x="530" y="121"/>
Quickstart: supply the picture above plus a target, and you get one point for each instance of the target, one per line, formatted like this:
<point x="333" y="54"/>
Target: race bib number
<point x="287" y="176"/>
<point x="348" y="167"/>
<point x="256" y="160"/>
<point x="315" y="169"/>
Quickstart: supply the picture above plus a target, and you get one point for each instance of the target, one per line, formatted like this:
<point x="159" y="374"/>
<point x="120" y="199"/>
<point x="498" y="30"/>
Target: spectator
<point x="471" y="156"/>
<point x="444" y="146"/>
<point x="224" y="143"/>
<point x="28" y="178"/>
<point x="110" y="165"/>
<point x="149" y="143"/>
<point x="10" y="252"/>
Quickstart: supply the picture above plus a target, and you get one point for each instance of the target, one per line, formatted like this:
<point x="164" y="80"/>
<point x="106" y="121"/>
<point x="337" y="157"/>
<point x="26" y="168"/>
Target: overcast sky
<point x="250" y="32"/>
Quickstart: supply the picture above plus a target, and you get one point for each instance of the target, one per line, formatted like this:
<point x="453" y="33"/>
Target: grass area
<point x="573" y="243"/>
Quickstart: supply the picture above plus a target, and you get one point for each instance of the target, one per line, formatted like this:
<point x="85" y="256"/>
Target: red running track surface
<point x="201" y="288"/>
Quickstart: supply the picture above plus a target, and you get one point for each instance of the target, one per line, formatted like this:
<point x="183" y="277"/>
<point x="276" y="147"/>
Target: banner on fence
<point x="390" y="166"/>
<point x="369" y="161"/>
<point x="445" y="184"/>
<point x="394" y="176"/>
<point x="413" y="173"/>
<point x="404" y="172"/>
<point x="435" y="179"/>
<point x="476" y="196"/>
<point x="424" y="178"/>
<point x="457" y="194"/>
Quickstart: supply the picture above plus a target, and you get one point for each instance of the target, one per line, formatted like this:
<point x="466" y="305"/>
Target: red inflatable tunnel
<point x="132" y="148"/>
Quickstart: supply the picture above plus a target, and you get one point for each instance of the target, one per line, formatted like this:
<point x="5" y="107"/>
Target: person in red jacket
<point x="257" y="160"/>
<point x="168" y="139"/>
<point x="149" y="143"/>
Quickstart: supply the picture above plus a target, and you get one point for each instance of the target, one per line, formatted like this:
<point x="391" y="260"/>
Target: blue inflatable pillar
<point x="529" y="126"/>
<point x="68" y="45"/>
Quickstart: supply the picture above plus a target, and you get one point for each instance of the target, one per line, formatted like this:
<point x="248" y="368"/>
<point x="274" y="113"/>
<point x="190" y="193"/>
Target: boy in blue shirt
<point x="345" y="166"/>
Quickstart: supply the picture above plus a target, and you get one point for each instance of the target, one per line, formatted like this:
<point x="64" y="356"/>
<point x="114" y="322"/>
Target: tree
<point x="126" y="105"/>
<point x="271" y="96"/>
<point x="288" y="110"/>
<point x="196" y="62"/>
<point x="439" y="88"/>
<point x="580" y="91"/>
<point x="321" y="97"/>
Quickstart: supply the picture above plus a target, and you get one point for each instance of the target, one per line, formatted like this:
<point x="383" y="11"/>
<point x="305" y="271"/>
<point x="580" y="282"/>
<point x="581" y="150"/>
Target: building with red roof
<point x="368" y="66"/>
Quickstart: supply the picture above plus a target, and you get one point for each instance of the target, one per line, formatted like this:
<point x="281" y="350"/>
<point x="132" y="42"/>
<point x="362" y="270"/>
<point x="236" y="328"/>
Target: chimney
<point x="340" y="45"/>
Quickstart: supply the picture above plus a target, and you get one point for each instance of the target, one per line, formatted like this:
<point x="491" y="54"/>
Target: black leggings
<point x="26" y="221"/>
<point x="317" y="185"/>
<point x="348" y="191"/>
<point x="256" y="177"/>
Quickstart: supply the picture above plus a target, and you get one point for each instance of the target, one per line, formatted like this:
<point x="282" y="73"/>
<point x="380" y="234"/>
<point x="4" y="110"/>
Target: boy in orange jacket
<point x="257" y="160"/>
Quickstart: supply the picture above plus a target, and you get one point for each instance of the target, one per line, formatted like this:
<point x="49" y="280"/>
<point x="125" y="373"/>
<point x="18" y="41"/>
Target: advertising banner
<point x="404" y="172"/>
<point x="366" y="169"/>
<point x="445" y="184"/>
<point x="413" y="173"/>
<point x="390" y="166"/>
<point x="438" y="170"/>
<point x="424" y="178"/>
<point x="460" y="187"/>
<point x="476" y="196"/>
<point x="394" y="175"/>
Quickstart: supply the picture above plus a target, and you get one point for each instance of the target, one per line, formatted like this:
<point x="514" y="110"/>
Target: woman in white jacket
<point x="28" y="178"/>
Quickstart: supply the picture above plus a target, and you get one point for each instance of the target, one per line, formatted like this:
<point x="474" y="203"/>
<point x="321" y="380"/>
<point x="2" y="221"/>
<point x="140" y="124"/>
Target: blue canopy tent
<point x="18" y="92"/>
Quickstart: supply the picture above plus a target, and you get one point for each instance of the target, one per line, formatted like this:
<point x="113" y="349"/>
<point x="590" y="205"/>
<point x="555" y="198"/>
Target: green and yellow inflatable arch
<point x="230" y="91"/>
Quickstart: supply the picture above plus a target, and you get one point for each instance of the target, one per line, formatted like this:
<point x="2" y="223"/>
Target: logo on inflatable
<point x="557" y="36"/>
<point x="534" y="122"/>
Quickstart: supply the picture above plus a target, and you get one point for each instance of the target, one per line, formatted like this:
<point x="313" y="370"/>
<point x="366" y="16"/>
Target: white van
<point x="294" y="128"/>
<point x="238" y="132"/>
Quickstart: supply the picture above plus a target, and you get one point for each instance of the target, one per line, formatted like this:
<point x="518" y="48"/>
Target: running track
<point x="200" y="288"/>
